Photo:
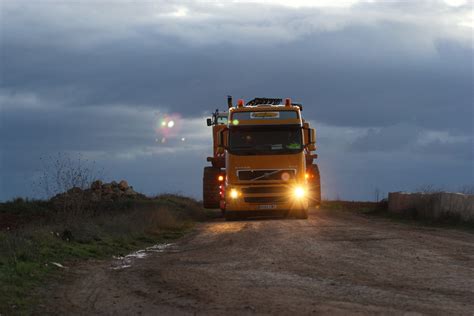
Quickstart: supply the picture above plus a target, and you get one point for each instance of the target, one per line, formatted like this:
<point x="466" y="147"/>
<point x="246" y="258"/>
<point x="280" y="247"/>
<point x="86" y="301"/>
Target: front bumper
<point x="264" y="198"/>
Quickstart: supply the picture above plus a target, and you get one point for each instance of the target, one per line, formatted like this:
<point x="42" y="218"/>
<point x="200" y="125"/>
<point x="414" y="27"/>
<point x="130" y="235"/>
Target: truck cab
<point x="266" y="150"/>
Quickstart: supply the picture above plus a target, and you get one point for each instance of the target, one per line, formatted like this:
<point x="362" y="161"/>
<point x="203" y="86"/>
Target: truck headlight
<point x="234" y="193"/>
<point x="299" y="192"/>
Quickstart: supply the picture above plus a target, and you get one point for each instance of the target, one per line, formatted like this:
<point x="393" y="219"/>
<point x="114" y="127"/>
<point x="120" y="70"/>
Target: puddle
<point x="126" y="261"/>
<point x="157" y="248"/>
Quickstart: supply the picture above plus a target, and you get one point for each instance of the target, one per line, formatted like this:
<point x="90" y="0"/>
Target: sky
<point x="388" y="86"/>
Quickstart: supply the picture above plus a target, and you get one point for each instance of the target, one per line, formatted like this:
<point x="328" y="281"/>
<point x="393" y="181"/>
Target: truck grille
<point x="265" y="199"/>
<point x="262" y="189"/>
<point x="269" y="174"/>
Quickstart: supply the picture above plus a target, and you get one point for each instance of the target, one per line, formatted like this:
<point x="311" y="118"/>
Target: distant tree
<point x="466" y="189"/>
<point x="377" y="194"/>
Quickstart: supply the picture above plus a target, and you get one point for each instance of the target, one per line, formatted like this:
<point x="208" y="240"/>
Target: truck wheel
<point x="314" y="183"/>
<point x="230" y="216"/>
<point x="210" y="187"/>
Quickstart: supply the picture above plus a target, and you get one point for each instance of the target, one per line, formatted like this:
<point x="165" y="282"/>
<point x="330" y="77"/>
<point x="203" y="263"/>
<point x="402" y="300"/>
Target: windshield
<point x="222" y="120"/>
<point x="268" y="140"/>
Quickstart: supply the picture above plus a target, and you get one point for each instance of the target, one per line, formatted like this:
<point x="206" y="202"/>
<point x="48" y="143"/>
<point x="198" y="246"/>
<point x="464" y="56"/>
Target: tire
<point x="314" y="185"/>
<point x="231" y="216"/>
<point x="210" y="187"/>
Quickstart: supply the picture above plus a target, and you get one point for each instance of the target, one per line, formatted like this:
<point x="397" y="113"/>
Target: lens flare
<point x="168" y="127"/>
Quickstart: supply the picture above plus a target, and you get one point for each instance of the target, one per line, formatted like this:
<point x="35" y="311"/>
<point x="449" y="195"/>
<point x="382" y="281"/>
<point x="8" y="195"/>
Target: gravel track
<point x="333" y="263"/>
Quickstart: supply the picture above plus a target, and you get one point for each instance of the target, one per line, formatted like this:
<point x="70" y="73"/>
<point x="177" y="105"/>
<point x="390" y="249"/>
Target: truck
<point x="263" y="160"/>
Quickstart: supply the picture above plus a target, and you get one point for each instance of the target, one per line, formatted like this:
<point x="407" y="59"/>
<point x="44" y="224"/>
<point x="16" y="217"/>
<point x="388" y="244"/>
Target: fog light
<point x="234" y="193"/>
<point x="299" y="192"/>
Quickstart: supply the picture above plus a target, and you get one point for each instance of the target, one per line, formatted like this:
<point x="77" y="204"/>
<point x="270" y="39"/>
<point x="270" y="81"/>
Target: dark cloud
<point x="90" y="77"/>
<point x="392" y="138"/>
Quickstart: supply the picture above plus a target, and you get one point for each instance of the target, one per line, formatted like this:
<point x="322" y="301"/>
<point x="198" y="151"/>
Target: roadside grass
<point x="411" y="218"/>
<point x="352" y="205"/>
<point x="380" y="209"/>
<point x="39" y="239"/>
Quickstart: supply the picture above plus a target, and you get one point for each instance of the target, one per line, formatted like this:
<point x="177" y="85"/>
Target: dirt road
<point x="333" y="263"/>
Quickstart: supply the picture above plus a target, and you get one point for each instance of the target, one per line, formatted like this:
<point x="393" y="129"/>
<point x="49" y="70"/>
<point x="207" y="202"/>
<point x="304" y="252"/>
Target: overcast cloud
<point x="388" y="86"/>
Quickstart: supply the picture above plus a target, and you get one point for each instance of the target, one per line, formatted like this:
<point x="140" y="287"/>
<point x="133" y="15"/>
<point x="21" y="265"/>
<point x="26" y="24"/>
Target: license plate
<point x="267" y="207"/>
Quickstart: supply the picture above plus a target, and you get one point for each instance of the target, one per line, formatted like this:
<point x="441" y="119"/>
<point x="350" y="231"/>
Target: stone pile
<point x="101" y="192"/>
<point x="113" y="191"/>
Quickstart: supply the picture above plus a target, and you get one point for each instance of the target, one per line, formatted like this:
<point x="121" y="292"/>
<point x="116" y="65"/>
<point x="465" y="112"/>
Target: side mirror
<point x="311" y="146"/>
<point x="209" y="122"/>
<point x="312" y="136"/>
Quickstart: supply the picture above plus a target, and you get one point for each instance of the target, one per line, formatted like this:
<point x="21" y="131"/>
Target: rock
<point x="123" y="185"/>
<point x="130" y="192"/>
<point x="74" y="190"/>
<point x="107" y="188"/>
<point x="96" y="185"/>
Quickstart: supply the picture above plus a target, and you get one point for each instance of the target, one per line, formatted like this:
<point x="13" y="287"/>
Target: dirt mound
<point x="98" y="192"/>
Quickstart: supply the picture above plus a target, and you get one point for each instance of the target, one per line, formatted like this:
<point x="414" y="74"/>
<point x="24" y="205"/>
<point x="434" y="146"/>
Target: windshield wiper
<point x="264" y="147"/>
<point x="241" y="147"/>
<point x="265" y="175"/>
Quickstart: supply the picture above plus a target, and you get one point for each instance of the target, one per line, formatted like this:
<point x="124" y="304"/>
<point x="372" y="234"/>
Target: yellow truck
<point x="262" y="160"/>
